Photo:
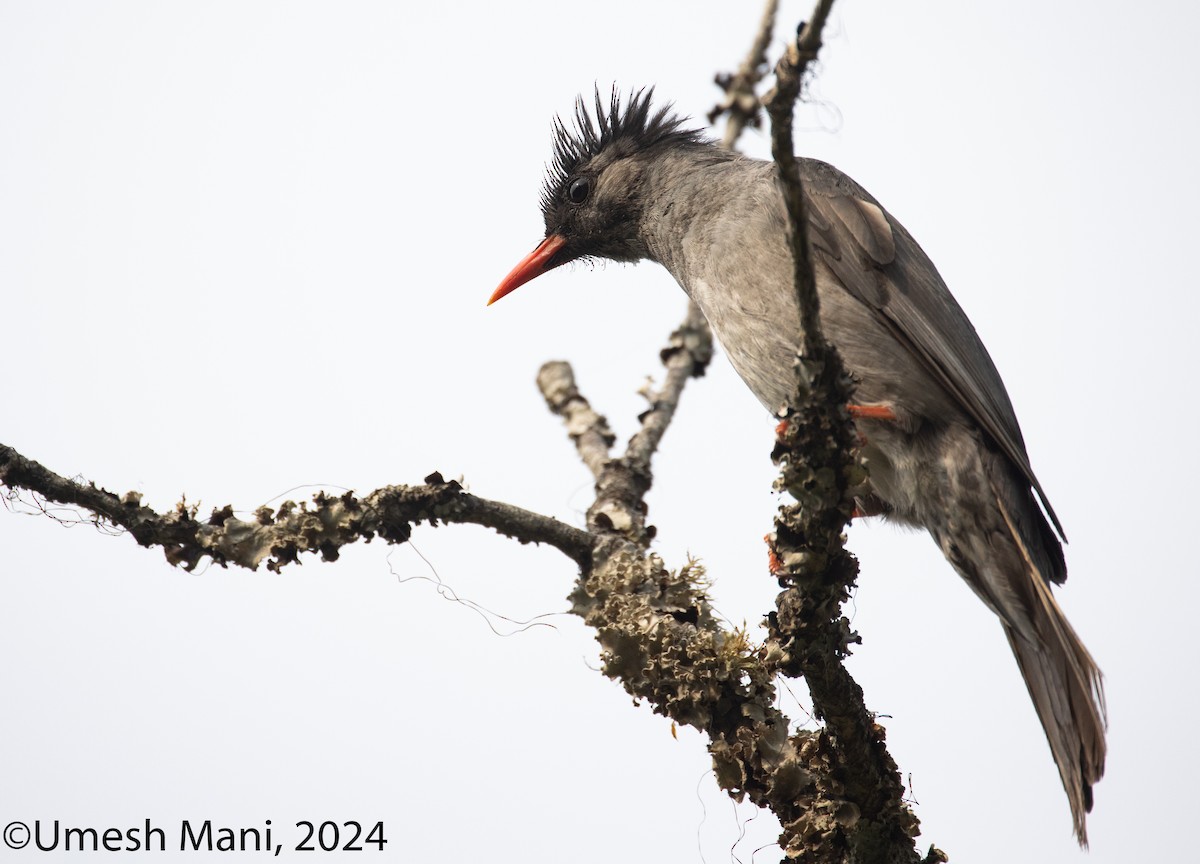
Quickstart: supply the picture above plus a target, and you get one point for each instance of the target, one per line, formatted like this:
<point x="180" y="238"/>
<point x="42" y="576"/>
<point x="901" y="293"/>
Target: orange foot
<point x="774" y="565"/>
<point x="871" y="412"/>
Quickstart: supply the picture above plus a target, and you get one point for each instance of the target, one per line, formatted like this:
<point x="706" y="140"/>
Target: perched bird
<point x="942" y="442"/>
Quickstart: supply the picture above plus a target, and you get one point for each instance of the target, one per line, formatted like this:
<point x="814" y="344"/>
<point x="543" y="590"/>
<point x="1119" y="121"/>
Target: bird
<point x="632" y="181"/>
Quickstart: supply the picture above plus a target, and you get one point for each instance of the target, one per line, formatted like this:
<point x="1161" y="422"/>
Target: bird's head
<point x="596" y="186"/>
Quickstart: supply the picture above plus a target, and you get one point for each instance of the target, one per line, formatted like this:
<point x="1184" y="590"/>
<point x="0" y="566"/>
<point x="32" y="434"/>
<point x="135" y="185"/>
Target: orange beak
<point x="532" y="265"/>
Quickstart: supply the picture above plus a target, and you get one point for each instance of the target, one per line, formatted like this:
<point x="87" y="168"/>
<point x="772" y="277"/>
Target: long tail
<point x="1066" y="686"/>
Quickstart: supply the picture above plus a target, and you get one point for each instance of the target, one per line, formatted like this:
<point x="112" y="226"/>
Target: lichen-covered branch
<point x="662" y="642"/>
<point x="587" y="429"/>
<point x="279" y="536"/>
<point x="618" y="512"/>
<point x="779" y="103"/>
<point x="820" y="468"/>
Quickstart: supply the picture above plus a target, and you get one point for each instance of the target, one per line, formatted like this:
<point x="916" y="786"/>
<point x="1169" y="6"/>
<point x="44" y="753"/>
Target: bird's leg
<point x="861" y="412"/>
<point x="871" y="412"/>
<point x="862" y="509"/>
<point x="774" y="565"/>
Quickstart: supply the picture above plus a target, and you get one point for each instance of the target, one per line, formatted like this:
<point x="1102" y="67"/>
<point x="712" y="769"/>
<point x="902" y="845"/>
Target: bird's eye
<point x="579" y="190"/>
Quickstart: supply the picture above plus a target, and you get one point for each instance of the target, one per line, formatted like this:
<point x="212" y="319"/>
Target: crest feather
<point x="636" y="125"/>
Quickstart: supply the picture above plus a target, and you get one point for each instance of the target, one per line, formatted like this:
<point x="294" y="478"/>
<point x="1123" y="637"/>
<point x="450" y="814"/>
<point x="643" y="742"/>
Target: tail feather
<point x="1066" y="686"/>
<point x="1068" y="694"/>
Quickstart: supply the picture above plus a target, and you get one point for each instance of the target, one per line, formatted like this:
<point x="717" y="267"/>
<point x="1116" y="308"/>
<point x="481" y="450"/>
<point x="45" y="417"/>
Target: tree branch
<point x="820" y="468"/>
<point x="662" y="642"/>
<point x="779" y="103"/>
<point x="687" y="355"/>
<point x="741" y="101"/>
<point x="589" y="430"/>
<point x="280" y="536"/>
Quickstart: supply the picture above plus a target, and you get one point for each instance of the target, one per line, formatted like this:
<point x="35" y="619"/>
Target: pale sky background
<point x="246" y="246"/>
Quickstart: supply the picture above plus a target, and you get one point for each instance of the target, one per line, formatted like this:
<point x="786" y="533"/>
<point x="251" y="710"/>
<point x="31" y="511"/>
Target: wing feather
<point x="879" y="262"/>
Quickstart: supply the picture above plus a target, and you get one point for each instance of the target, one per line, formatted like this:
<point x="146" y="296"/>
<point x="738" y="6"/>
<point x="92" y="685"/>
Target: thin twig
<point x="741" y="103"/>
<point x="686" y="356"/>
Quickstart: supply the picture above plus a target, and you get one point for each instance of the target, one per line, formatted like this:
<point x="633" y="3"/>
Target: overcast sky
<point x="244" y="254"/>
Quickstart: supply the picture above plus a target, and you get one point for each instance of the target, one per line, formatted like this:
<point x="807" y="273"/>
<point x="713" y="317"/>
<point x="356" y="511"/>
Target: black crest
<point x="635" y="127"/>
